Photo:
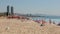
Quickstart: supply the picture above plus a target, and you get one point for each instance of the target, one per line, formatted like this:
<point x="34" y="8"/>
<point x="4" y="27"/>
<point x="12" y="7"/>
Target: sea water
<point x="56" y="20"/>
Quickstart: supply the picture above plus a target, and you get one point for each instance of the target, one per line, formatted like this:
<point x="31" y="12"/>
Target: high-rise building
<point x="7" y="10"/>
<point x="12" y="10"/>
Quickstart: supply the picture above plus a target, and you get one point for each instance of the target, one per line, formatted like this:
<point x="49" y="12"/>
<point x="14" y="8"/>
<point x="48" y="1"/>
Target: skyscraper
<point x="12" y="10"/>
<point x="7" y="10"/>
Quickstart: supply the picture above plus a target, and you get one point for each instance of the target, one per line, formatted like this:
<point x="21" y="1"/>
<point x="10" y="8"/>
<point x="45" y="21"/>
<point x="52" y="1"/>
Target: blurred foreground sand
<point x="16" y="26"/>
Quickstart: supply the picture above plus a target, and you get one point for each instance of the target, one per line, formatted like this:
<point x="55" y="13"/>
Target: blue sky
<point x="49" y="7"/>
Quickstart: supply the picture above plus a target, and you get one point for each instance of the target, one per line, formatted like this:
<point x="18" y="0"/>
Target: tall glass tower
<point x="7" y="10"/>
<point x="12" y="10"/>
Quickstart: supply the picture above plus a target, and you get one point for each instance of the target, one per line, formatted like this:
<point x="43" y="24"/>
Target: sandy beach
<point x="17" y="26"/>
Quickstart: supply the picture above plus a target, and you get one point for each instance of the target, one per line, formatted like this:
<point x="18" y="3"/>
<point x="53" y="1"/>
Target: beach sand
<point x="17" y="26"/>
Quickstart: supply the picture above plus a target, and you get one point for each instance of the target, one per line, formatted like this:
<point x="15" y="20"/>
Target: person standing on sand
<point x="53" y="22"/>
<point x="50" y="21"/>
